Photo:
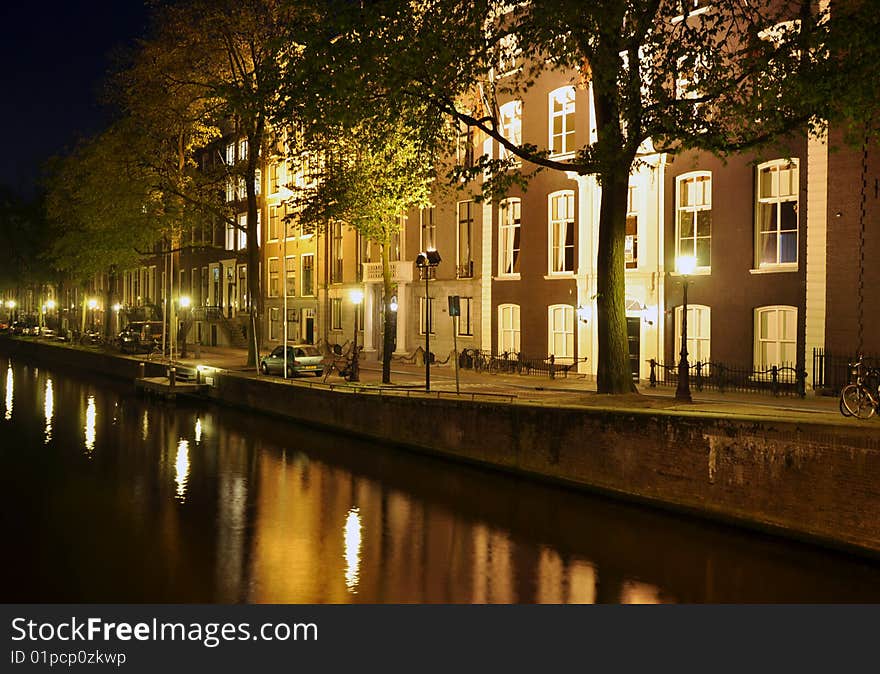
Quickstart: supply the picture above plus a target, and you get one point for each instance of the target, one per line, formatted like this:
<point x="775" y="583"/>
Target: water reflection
<point x="352" y="549"/>
<point x="9" y="384"/>
<point x="91" y="414"/>
<point x="48" y="410"/>
<point x="181" y="465"/>
<point x="276" y="513"/>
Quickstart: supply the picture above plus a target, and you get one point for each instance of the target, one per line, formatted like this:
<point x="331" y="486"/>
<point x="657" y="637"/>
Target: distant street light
<point x="426" y="262"/>
<point x="685" y="264"/>
<point x="93" y="304"/>
<point x="357" y="296"/>
<point x="116" y="309"/>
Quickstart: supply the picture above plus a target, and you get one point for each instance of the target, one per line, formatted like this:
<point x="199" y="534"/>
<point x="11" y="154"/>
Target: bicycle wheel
<point x="857" y="401"/>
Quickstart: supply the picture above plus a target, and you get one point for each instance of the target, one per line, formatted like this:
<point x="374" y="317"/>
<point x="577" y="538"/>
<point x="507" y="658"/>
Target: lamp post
<point x="93" y="304"/>
<point x="116" y="309"/>
<point x="426" y="261"/>
<point x="357" y="296"/>
<point x="184" y="303"/>
<point x="685" y="265"/>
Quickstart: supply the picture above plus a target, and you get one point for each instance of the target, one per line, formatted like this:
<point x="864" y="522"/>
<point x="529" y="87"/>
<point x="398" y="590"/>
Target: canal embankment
<point x="796" y="477"/>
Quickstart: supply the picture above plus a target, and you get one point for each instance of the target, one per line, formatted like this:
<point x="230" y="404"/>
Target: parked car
<point x="301" y="359"/>
<point x="140" y="336"/>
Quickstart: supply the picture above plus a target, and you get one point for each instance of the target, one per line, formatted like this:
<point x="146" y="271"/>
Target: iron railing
<point x="776" y="380"/>
<point x="832" y="371"/>
<point x="517" y="363"/>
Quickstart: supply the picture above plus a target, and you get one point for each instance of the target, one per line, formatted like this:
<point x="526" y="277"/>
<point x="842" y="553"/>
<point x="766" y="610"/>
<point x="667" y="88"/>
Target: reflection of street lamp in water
<point x="357" y="296"/>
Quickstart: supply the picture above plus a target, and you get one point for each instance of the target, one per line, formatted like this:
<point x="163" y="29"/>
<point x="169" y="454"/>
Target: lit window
<point x="631" y="243"/>
<point x="699" y="326"/>
<point x="242" y="149"/>
<point x="775" y="336"/>
<point x="429" y="316"/>
<point x="427" y="228"/>
<point x="274" y="277"/>
<point x="308" y="276"/>
<point x="560" y="338"/>
<point x="562" y="121"/>
<point x="336" y="313"/>
<point x="561" y="232"/>
<point x="694" y="217"/>
<point x="290" y="276"/>
<point x="508" y="328"/>
<point x="274" y="218"/>
<point x="465" y="241"/>
<point x="511" y="125"/>
<point x="777" y="213"/>
<point x="230" y="154"/>
<point x="466" y="318"/>
<point x="508" y="237"/>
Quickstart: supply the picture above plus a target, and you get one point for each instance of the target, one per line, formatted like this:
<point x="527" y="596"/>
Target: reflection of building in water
<point x="232" y="509"/>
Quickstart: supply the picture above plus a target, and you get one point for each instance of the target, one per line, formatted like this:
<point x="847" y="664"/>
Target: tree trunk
<point x="387" y="315"/>
<point x="614" y="374"/>
<point x="255" y="295"/>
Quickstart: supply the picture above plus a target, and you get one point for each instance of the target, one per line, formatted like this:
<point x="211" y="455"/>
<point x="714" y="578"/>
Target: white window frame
<point x="431" y="318"/>
<point x="468" y="223"/>
<point x="336" y="314"/>
<point x="632" y="211"/>
<point x="556" y="252"/>
<point x="509" y="236"/>
<point x="699" y="333"/>
<point x="302" y="274"/>
<point x="274" y="323"/>
<point x="466" y="318"/>
<point x="509" y="329"/>
<point x="693" y="209"/>
<point x="510" y="122"/>
<point x="427" y="226"/>
<point x="560" y="332"/>
<point x="561" y="103"/>
<point x="780" y="310"/>
<point x="230" y="154"/>
<point x="274" y="274"/>
<point x="775" y="201"/>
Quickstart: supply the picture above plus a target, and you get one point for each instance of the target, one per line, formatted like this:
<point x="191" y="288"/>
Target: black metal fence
<point x="831" y="371"/>
<point x="517" y="363"/>
<point x="776" y="380"/>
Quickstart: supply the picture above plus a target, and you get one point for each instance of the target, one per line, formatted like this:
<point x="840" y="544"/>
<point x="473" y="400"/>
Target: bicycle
<point x="862" y="398"/>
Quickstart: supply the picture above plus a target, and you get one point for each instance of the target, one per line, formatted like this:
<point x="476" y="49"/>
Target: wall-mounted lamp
<point x="584" y="313"/>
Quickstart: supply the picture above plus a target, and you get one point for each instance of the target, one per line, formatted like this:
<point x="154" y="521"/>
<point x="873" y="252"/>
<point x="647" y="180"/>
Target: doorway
<point x="633" y="339"/>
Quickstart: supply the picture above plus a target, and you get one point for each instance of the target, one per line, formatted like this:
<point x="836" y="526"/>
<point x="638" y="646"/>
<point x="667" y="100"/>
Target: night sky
<point x="54" y="55"/>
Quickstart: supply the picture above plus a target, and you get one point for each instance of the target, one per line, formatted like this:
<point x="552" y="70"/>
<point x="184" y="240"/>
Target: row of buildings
<point x="783" y="243"/>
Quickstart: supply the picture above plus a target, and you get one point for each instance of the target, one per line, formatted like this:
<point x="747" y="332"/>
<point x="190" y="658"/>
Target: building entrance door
<point x="633" y="338"/>
<point x="308" y="325"/>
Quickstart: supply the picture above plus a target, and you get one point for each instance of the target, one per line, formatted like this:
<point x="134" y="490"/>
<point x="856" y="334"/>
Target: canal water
<point x="107" y="497"/>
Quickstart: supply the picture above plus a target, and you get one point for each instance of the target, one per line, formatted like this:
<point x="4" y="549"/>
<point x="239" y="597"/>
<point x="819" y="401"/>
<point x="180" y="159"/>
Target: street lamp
<point x="357" y="296"/>
<point x="426" y="261"/>
<point x="116" y="309"/>
<point x="685" y="265"/>
<point x="10" y="304"/>
<point x="93" y="304"/>
<point x="184" y="303"/>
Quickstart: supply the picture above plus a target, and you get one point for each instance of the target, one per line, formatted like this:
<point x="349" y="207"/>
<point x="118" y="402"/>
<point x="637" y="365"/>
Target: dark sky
<point x="54" y="54"/>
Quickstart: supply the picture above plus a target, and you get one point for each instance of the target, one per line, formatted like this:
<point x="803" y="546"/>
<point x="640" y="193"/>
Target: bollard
<point x="552" y="366"/>
<point x="172" y="375"/>
<point x="142" y="370"/>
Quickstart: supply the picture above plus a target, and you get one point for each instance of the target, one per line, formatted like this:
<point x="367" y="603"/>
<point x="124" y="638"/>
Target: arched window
<point x="508" y="328"/>
<point x="775" y="336"/>
<point x="561" y="232"/>
<point x="562" y="121"/>
<point x="508" y="237"/>
<point x="560" y="331"/>
<point x="693" y="222"/>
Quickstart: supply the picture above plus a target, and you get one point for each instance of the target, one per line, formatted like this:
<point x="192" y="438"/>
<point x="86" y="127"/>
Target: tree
<point x="235" y="54"/>
<point x="725" y="79"/>
<point x="372" y="173"/>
